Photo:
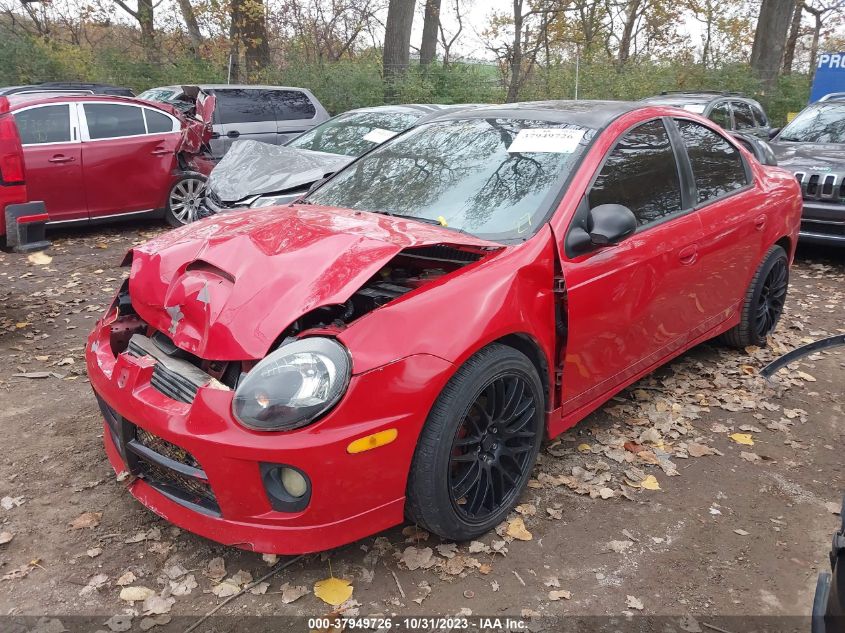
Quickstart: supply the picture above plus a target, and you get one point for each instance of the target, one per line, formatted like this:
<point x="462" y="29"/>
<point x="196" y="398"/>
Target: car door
<point x="52" y="156"/>
<point x="128" y="157"/>
<point x="294" y="113"/>
<point x="720" y="114"/>
<point x="243" y="114"/>
<point x="733" y="218"/>
<point x="629" y="304"/>
<point x="743" y="118"/>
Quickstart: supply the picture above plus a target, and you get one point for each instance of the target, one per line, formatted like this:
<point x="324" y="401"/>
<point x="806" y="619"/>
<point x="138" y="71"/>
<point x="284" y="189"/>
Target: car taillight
<point x="11" y="155"/>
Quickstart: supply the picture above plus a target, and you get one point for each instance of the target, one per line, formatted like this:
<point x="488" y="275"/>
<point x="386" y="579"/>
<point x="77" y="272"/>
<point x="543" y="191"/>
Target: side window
<point x="47" y="124"/>
<point x="716" y="164"/>
<point x="759" y="116"/>
<point x="237" y="105"/>
<point x="291" y="105"/>
<point x="721" y="115"/>
<point x="111" y="120"/>
<point x="157" y="122"/>
<point x="742" y="116"/>
<point x="641" y="173"/>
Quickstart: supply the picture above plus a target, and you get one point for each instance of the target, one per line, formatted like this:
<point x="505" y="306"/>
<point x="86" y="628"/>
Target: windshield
<point x="355" y="133"/>
<point x="495" y="178"/>
<point x="822" y="123"/>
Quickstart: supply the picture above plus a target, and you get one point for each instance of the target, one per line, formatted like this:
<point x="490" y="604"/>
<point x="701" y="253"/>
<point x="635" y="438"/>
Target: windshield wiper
<point x="431" y="221"/>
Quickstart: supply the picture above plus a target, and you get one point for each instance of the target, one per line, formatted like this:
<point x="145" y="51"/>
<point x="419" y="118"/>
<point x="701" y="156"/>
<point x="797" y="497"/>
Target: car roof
<point x="589" y="114"/>
<point x="678" y="98"/>
<point x="23" y="100"/>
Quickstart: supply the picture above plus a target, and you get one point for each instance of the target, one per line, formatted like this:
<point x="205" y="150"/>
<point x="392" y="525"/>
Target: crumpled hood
<point x="251" y="167"/>
<point x="810" y="157"/>
<point x="226" y="287"/>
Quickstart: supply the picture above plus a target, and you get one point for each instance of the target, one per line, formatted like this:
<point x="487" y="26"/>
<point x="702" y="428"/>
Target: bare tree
<point x="248" y="33"/>
<point x="191" y="24"/>
<point x="447" y="41"/>
<point x="431" y="25"/>
<point x="397" y="38"/>
<point x="144" y="14"/>
<point x="819" y="13"/>
<point x="633" y="11"/>
<point x="770" y="39"/>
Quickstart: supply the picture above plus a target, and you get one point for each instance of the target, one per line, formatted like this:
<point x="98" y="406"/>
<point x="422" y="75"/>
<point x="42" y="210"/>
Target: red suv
<point x="89" y="157"/>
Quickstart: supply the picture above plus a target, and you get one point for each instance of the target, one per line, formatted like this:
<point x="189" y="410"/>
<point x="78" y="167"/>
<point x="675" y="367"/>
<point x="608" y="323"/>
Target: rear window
<point x="47" y="124"/>
<point x="240" y="105"/>
<point x="158" y="122"/>
<point x="111" y="120"/>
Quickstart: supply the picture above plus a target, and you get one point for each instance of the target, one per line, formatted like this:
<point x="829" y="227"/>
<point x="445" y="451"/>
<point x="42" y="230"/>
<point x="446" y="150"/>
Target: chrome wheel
<point x="772" y="298"/>
<point x="186" y="199"/>
<point x="492" y="449"/>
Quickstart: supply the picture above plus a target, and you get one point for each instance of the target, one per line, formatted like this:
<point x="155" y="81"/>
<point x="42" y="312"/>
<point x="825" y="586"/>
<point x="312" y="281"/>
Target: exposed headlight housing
<point x="293" y="386"/>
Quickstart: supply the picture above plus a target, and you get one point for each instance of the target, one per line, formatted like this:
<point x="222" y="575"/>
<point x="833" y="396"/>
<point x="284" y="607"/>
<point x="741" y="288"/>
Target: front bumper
<point x="823" y="223"/>
<point x="352" y="495"/>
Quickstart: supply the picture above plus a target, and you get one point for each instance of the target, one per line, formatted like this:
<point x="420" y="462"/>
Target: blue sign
<point x="830" y="75"/>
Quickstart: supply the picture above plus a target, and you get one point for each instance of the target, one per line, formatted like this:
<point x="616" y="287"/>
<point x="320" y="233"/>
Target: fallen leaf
<point x="650" y="483"/>
<point x="583" y="448"/>
<point x="216" y="568"/>
<point x="119" y="622"/>
<point x="126" y="579"/>
<point x="634" y="603"/>
<point x="619" y="546"/>
<point x="516" y="529"/>
<point x="136" y="593"/>
<point x="699" y="450"/>
<point x="750" y="457"/>
<point x="292" y="593"/>
<point x="86" y="520"/>
<point x="156" y="605"/>
<point x="417" y="558"/>
<point x="833" y="508"/>
<point x="741" y="532"/>
<point x="39" y="258"/>
<point x="742" y="438"/>
<point x="184" y="586"/>
<point x="259" y="589"/>
<point x="552" y="582"/>
<point x="334" y="591"/>
<point x="559" y="593"/>
<point x="94" y="552"/>
<point x="6" y="537"/>
<point x="7" y="503"/>
<point x="226" y="588"/>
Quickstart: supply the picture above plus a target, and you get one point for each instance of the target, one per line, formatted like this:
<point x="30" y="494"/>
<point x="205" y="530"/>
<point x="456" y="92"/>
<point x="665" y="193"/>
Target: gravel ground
<point x="658" y="503"/>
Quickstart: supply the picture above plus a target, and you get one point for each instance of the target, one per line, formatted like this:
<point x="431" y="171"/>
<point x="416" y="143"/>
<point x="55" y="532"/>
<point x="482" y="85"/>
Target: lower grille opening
<point x="168" y="468"/>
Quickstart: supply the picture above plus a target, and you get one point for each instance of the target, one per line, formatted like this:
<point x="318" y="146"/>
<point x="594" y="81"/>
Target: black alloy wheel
<point x="772" y="298"/>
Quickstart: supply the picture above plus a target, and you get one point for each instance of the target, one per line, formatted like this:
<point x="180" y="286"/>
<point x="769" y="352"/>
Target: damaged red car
<point x="398" y="343"/>
<point x="90" y="158"/>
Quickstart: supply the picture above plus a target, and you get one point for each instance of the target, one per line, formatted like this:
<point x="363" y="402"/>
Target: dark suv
<point x="812" y="146"/>
<point x="731" y="110"/>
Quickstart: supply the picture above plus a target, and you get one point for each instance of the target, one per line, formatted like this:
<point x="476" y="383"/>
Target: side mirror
<point x="774" y="132"/>
<point x="611" y="223"/>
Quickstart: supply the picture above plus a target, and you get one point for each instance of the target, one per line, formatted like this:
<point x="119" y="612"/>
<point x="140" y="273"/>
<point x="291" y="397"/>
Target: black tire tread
<point x="421" y="499"/>
<point x="741" y="335"/>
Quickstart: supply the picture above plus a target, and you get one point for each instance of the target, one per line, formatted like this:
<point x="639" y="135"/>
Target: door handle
<point x="61" y="158"/>
<point x="233" y="134"/>
<point x="760" y="222"/>
<point x="160" y="151"/>
<point x="688" y="255"/>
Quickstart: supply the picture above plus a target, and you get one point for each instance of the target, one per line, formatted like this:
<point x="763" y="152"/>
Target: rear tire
<point x="763" y="304"/>
<point x="184" y="200"/>
<point x="478" y="447"/>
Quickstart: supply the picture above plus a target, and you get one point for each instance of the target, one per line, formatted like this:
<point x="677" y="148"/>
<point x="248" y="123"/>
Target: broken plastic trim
<point x="790" y="357"/>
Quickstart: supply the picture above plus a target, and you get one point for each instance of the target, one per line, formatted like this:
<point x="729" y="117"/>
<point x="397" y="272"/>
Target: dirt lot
<point x="734" y="528"/>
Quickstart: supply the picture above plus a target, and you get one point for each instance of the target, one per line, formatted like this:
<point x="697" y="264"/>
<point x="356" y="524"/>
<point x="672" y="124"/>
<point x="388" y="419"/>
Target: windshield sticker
<point x="524" y="223"/>
<point x="694" y="107"/>
<point x="378" y="135"/>
<point x="548" y="140"/>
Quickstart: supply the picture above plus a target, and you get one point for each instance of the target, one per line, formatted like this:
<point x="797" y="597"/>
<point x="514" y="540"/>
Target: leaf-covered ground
<point x="701" y="490"/>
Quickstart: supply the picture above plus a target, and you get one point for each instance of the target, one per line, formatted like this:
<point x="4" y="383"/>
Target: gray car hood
<point x="811" y="157"/>
<point x="251" y="168"/>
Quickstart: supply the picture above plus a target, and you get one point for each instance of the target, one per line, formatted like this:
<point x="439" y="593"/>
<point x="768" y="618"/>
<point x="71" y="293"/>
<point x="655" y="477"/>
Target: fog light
<point x="288" y="488"/>
<point x="294" y="482"/>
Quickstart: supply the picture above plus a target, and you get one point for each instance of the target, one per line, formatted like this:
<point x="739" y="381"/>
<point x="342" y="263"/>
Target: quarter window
<point x="47" y="124"/>
<point x="641" y="173"/>
<point x="721" y="115"/>
<point x="158" y="122"/>
<point x="716" y="164"/>
<point x="237" y="105"/>
<point x="759" y="116"/>
<point x="112" y="120"/>
<point x="742" y="116"/>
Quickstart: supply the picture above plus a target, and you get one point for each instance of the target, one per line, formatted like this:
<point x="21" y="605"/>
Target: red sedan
<point x="91" y="158"/>
<point x="399" y="342"/>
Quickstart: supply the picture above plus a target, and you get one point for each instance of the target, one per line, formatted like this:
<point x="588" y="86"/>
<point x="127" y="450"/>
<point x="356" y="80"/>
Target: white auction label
<point x="695" y="107"/>
<point x="553" y="140"/>
<point x="378" y="135"/>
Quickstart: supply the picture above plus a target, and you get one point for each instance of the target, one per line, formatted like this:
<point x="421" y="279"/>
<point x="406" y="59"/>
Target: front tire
<point x="764" y="301"/>
<point x="478" y="447"/>
<point x="184" y="200"/>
